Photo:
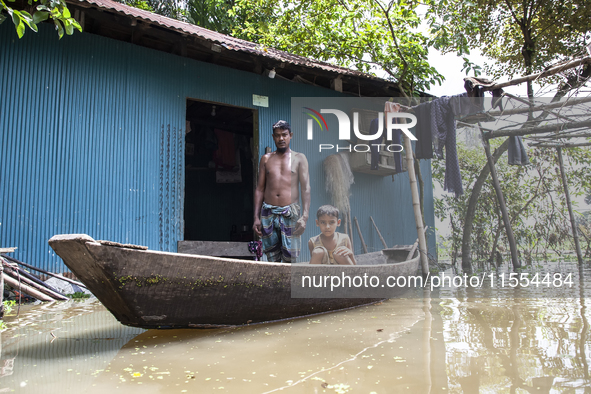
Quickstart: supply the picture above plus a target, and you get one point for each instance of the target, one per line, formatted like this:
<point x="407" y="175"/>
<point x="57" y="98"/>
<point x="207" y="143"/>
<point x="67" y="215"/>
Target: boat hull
<point x="153" y="289"/>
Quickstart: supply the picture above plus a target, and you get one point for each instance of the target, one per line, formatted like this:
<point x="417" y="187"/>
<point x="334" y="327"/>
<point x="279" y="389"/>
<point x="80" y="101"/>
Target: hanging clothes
<point x="424" y="144"/>
<point x="474" y="87"/>
<point x="517" y="154"/>
<point x="443" y="125"/>
<point x="462" y="105"/>
<point x="225" y="155"/>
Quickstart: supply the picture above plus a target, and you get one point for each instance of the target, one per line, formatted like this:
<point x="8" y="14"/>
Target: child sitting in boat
<point x="330" y="247"/>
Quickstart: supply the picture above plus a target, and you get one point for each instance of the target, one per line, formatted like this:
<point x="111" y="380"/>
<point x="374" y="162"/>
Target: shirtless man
<point x="276" y="199"/>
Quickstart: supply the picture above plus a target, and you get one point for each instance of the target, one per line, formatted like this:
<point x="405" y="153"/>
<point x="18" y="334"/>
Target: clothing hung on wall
<point x="225" y="155"/>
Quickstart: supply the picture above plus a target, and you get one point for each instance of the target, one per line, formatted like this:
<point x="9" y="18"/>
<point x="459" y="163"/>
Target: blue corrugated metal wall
<point x="93" y="142"/>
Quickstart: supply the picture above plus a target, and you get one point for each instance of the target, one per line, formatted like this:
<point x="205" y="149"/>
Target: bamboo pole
<point x="551" y="128"/>
<point x="558" y="104"/>
<point x="25" y="288"/>
<point x="570" y="206"/>
<point x="55" y="296"/>
<point x="2" y="291"/>
<point x="74" y="282"/>
<point x="416" y="204"/>
<point x="530" y="105"/>
<point x="565" y="145"/>
<point x="379" y="234"/>
<point x="547" y="139"/>
<point x="502" y="205"/>
<point x="360" y="235"/>
<point x="546" y="73"/>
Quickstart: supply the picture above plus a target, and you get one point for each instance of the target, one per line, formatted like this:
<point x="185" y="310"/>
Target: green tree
<point x="533" y="193"/>
<point x="39" y="11"/>
<point x="519" y="36"/>
<point x="213" y="15"/>
<point x="367" y="35"/>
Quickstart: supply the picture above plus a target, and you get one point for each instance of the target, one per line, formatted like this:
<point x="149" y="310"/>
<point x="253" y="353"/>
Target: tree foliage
<point x="37" y="12"/>
<point x="520" y="36"/>
<point x="366" y="35"/>
<point x="213" y="15"/>
<point x="534" y="197"/>
<point x="175" y="9"/>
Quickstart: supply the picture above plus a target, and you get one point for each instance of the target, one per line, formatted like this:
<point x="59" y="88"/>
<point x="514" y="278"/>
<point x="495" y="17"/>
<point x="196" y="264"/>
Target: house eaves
<point x="119" y="21"/>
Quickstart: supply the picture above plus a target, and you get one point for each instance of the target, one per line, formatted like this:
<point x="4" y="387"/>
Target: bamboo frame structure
<point x="563" y="128"/>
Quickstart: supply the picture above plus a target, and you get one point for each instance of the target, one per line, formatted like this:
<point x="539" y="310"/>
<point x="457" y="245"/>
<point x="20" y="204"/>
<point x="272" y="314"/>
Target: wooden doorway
<point x="221" y="155"/>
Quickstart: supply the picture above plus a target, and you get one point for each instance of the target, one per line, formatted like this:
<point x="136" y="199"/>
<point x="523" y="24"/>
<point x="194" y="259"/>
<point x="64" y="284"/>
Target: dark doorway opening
<point x="221" y="153"/>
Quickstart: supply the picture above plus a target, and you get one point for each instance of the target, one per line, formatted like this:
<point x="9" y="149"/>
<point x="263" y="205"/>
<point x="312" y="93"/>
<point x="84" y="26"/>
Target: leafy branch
<point x="56" y="10"/>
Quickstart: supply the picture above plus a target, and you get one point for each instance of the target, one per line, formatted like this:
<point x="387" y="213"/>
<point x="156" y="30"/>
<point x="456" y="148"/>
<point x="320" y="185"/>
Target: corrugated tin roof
<point x="226" y="41"/>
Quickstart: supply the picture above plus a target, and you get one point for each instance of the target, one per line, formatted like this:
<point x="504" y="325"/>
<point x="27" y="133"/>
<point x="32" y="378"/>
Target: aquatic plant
<point x="78" y="295"/>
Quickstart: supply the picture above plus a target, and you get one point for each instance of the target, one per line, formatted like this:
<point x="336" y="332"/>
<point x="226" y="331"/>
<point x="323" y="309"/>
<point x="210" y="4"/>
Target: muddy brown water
<point x="451" y="341"/>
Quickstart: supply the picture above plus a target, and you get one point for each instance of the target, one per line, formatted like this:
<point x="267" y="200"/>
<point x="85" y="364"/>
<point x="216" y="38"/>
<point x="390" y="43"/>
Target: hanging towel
<point x="225" y="155"/>
<point x="517" y="154"/>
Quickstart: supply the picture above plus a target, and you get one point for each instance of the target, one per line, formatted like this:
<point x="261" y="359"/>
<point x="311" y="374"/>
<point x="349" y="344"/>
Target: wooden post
<point x="416" y="204"/>
<point x="379" y="234"/>
<point x="570" y="206"/>
<point x="74" y="282"/>
<point x="2" y="262"/>
<point x="360" y="235"/>
<point x="24" y="288"/>
<point x="501" y="199"/>
<point x="1" y="289"/>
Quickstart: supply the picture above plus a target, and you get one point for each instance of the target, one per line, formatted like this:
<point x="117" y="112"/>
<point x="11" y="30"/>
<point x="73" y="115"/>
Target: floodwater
<point x="434" y="342"/>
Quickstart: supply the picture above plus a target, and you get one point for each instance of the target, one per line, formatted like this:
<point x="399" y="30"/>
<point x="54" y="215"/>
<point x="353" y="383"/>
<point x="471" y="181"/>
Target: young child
<point x="330" y="247"/>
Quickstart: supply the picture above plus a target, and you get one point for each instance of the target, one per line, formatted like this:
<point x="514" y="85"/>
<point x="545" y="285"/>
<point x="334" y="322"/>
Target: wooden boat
<point x="152" y="289"/>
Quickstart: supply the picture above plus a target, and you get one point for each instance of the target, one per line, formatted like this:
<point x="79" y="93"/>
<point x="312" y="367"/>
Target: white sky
<point x="450" y="66"/>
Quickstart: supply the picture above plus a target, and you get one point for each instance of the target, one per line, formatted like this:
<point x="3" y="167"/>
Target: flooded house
<point x="146" y="130"/>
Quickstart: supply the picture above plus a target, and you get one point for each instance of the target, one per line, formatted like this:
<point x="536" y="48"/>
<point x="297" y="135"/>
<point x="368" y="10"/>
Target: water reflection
<point x="375" y="348"/>
<point x="498" y="344"/>
<point x="458" y="341"/>
<point x="56" y="347"/>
